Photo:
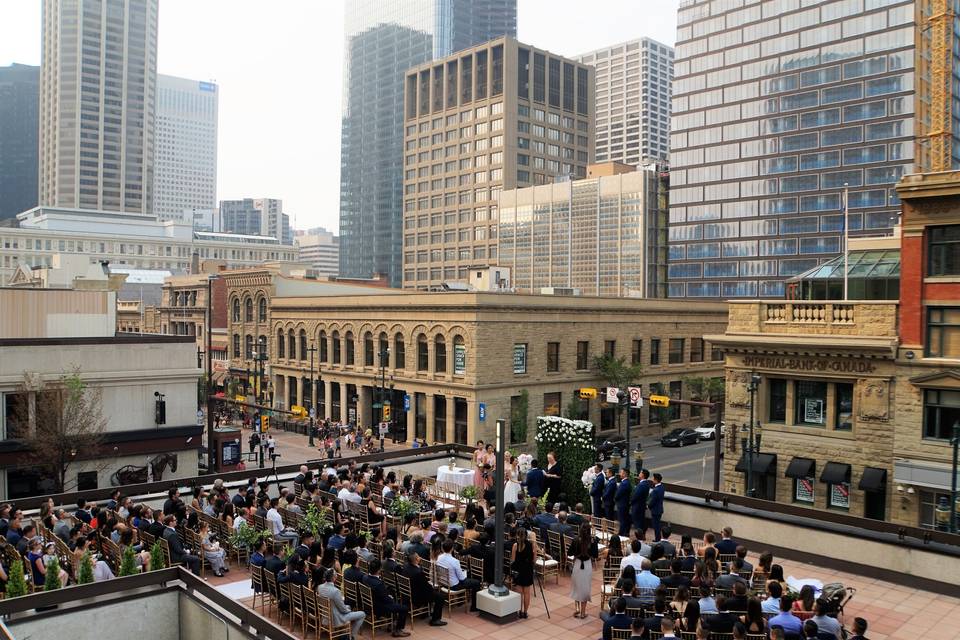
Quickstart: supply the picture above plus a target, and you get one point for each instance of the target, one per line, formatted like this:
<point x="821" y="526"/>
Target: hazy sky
<point x="279" y="113"/>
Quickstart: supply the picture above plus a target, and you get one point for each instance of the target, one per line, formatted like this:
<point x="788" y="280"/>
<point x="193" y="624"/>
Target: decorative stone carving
<point x="737" y="393"/>
<point x="874" y="401"/>
<point x="32" y="381"/>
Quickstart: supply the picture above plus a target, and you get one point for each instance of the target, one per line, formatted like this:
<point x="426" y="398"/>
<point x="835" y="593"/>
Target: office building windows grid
<point x="761" y="93"/>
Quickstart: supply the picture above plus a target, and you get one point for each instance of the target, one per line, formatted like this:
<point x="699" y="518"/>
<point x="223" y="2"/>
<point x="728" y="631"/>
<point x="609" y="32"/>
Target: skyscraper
<point x="97" y="90"/>
<point x="19" y="118"/>
<point x="256" y="217"/>
<point x="775" y="109"/>
<point x="496" y="116"/>
<point x="633" y="100"/>
<point x="383" y="40"/>
<point x="185" y="157"/>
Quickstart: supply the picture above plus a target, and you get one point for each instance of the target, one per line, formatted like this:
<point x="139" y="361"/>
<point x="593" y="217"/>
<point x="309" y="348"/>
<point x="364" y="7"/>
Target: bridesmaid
<point x="490" y="458"/>
<point x="479" y="457"/>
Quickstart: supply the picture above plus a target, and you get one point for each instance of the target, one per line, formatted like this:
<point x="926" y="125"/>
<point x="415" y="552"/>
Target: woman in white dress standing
<point x="584" y="551"/>
<point x="511" y="488"/>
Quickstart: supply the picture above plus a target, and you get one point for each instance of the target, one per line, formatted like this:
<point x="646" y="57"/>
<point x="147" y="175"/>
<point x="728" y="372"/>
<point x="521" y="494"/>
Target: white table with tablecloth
<point x="454" y="480"/>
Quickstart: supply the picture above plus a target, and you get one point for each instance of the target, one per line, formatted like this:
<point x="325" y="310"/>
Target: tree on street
<point x="617" y="373"/>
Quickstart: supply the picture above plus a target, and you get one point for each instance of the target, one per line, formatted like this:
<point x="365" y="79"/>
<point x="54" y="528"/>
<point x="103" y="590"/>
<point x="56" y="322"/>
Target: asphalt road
<point x="680" y="465"/>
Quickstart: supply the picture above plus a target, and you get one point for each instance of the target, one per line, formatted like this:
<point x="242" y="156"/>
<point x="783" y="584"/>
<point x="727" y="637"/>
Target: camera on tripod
<point x="274" y="456"/>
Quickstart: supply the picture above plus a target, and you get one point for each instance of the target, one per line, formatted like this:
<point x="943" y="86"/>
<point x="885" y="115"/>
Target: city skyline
<point x="276" y="155"/>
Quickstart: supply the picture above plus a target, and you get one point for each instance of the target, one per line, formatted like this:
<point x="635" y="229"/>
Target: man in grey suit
<point x="341" y="612"/>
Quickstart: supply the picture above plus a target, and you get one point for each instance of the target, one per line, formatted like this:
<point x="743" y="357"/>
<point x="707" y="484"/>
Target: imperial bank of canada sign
<point x="809" y="364"/>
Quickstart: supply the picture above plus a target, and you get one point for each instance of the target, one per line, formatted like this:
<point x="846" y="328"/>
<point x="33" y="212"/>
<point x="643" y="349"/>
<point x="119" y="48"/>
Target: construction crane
<point x="940" y="134"/>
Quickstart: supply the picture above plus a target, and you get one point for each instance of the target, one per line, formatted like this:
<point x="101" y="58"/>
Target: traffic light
<point x="264" y="424"/>
<point x="160" y="411"/>
<point x="386" y="413"/>
<point x="659" y="401"/>
<point x="587" y="393"/>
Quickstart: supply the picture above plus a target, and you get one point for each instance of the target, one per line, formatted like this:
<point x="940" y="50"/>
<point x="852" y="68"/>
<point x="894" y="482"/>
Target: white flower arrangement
<point x="588" y="477"/>
<point x="523" y="461"/>
<point x="565" y="432"/>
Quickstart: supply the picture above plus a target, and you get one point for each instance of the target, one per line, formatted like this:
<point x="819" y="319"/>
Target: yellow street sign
<point x="587" y="393"/>
<point x="659" y="401"/>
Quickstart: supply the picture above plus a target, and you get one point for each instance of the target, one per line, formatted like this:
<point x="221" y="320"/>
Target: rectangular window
<point x="675" y="354"/>
<point x="941" y="410"/>
<point x="520" y="358"/>
<point x="810" y="403"/>
<point x="583" y="355"/>
<point x="843" y="396"/>
<point x="654" y="351"/>
<point x="636" y="352"/>
<point x="609" y="348"/>
<point x="551" y="404"/>
<point x="943" y="332"/>
<point x="696" y="350"/>
<point x="943" y="247"/>
<point x="777" y="400"/>
<point x="539" y="77"/>
<point x="553" y="356"/>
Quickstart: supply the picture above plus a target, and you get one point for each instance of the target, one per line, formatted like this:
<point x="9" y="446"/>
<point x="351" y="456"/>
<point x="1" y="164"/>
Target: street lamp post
<point x="752" y="388"/>
<point x="258" y="363"/>
<point x="209" y="386"/>
<point x="313" y="409"/>
<point x="953" y="477"/>
<point x="382" y="393"/>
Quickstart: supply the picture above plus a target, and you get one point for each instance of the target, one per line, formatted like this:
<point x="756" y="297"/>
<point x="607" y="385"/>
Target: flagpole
<point x="846" y="241"/>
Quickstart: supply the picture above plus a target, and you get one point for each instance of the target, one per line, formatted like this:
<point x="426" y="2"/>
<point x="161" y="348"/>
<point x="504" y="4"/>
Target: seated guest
<point x="421" y="591"/>
<point x="339" y="539"/>
<point x="619" y="620"/>
<point x="275" y="520"/>
<point x="655" y="622"/>
<point x="772" y="604"/>
<point x="666" y="628"/>
<point x="742" y="554"/>
<point x="732" y="576"/>
<point x="458" y="577"/>
<point x="675" y="579"/>
<point x="738" y="601"/>
<point x="339" y="610"/>
<point x="807" y="600"/>
<point x="754" y="620"/>
<point x="647" y="583"/>
<point x="859" y="629"/>
<point x="812" y="632"/>
<point x="272" y="562"/>
<point x="383" y="602"/>
<point x="726" y="545"/>
<point x="786" y="620"/>
<point x="688" y="557"/>
<point x="629" y="594"/>
<point x="635" y="558"/>
<point x="669" y="549"/>
<point x="657" y="559"/>
<point x="212" y="552"/>
<point x="578" y="517"/>
<point x="826" y="625"/>
<point x="637" y="629"/>
<point x="257" y="557"/>
<point x="723" y="620"/>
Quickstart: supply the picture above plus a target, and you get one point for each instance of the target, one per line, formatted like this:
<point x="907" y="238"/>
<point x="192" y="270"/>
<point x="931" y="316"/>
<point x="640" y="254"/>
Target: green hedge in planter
<point x="573" y="443"/>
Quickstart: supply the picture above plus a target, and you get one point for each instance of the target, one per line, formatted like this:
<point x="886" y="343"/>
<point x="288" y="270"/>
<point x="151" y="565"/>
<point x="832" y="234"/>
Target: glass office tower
<point x="777" y="106"/>
<point x="383" y="40"/>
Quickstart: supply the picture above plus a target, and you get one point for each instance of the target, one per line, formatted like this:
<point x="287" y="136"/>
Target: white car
<point x="706" y="432"/>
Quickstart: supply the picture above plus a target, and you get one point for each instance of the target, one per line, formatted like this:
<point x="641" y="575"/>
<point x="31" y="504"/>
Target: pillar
<point x="364" y="409"/>
<point x="344" y="403"/>
<point x="298" y="381"/>
<point x="313" y="396"/>
<point x="327" y="400"/>
<point x="451" y="409"/>
<point x="431" y="414"/>
<point x="473" y="422"/>
<point x="411" y="415"/>
<point x="279" y="387"/>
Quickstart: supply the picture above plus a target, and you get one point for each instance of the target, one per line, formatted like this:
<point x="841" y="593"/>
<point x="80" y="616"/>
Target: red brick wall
<point x="911" y="290"/>
<point x="218" y="307"/>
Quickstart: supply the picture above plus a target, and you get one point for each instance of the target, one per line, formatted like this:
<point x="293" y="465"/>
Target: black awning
<point x="800" y="468"/>
<point x="873" y="479"/>
<point x="835" y="473"/>
<point x="762" y="463"/>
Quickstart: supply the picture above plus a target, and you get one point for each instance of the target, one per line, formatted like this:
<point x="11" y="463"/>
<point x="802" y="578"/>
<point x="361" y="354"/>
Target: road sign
<point x="313" y="412"/>
<point x="483" y="411"/>
<point x="199" y="417"/>
<point x="587" y="393"/>
<point x="386" y="412"/>
<point x="612" y="397"/>
<point x="406" y="402"/>
<point x="636" y="397"/>
<point x="659" y="401"/>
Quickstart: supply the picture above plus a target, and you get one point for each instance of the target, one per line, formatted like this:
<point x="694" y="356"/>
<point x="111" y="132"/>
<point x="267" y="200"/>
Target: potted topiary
<point x="157" y="559"/>
<point x="17" y="582"/>
<point x="128" y="565"/>
<point x="85" y="572"/>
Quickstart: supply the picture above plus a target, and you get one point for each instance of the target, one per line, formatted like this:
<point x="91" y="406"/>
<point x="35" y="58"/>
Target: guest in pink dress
<point x="478" y="459"/>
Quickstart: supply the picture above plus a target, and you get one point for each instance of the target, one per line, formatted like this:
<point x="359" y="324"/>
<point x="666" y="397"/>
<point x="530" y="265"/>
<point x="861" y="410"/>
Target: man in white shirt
<point x="241" y="519"/>
<point x="458" y="577"/>
<point x="276" y="525"/>
<point x="349" y="493"/>
<point x="636" y="556"/>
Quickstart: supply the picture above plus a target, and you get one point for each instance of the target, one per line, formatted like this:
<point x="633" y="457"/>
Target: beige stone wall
<point x="814" y="318"/>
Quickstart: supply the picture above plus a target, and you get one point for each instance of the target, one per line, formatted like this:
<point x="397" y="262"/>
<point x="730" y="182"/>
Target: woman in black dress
<point x="553" y="474"/>
<point x="522" y="559"/>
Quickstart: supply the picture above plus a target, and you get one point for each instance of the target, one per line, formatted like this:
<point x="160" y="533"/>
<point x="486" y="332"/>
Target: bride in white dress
<point x="511" y="488"/>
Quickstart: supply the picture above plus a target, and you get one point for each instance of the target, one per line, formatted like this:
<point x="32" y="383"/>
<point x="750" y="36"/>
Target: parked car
<point x="680" y="437"/>
<point x="707" y="431"/>
<point x="606" y="445"/>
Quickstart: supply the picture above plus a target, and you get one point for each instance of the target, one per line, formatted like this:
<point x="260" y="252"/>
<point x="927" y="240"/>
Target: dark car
<point x="605" y="446"/>
<point x="679" y="437"/>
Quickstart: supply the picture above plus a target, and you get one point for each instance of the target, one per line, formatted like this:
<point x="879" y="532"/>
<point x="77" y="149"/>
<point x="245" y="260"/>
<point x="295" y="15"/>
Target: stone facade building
<point x="440" y="357"/>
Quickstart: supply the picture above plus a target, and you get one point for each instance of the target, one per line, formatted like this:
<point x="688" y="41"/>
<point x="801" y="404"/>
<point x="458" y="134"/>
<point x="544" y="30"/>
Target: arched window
<point x="368" y="349"/>
<point x="236" y="341"/>
<point x="423" y="354"/>
<point x="248" y="347"/>
<point x="262" y="347"/>
<point x="303" y="344"/>
<point x="291" y="342"/>
<point x="399" y="352"/>
<point x="459" y="368"/>
<point x="322" y="339"/>
<point x="384" y="351"/>
<point x="348" y="338"/>
<point x="335" y="347"/>
<point x="262" y="310"/>
<point x="280" y="350"/>
<point x="248" y="310"/>
<point x="236" y="310"/>
<point x="439" y="355"/>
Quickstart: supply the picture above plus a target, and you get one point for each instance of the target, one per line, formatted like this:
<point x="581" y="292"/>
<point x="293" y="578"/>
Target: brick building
<point x="446" y="354"/>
